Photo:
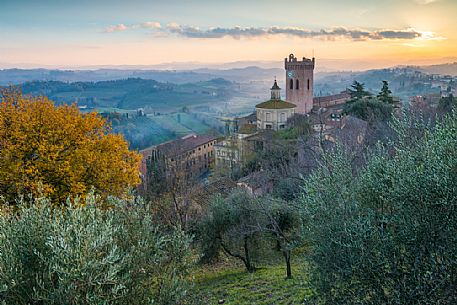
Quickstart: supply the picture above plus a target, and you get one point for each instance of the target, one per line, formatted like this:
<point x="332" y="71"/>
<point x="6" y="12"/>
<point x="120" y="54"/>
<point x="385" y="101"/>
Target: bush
<point x="86" y="255"/>
<point x="369" y="109"/>
<point x="387" y="234"/>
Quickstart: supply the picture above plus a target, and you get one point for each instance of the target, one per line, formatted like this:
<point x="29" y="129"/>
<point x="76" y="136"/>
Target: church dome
<point x="275" y="104"/>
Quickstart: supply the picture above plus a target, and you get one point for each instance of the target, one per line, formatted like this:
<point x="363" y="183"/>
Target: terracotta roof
<point x="204" y="194"/>
<point x="180" y="146"/>
<point x="247" y="129"/>
<point x="275" y="104"/>
<point x="256" y="179"/>
<point x="328" y="98"/>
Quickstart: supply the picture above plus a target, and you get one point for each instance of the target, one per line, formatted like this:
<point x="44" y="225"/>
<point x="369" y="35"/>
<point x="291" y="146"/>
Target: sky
<point x="77" y="33"/>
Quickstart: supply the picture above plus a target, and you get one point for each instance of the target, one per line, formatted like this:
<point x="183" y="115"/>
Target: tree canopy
<point x="385" y="95"/>
<point x="386" y="233"/>
<point x="59" y="152"/>
<point x="366" y="107"/>
<point x="358" y="91"/>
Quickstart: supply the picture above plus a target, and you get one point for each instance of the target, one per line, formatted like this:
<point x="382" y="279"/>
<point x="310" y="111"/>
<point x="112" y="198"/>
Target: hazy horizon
<point x="323" y="65"/>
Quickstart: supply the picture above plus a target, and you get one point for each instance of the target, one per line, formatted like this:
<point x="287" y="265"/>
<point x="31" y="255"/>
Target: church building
<point x="274" y="113"/>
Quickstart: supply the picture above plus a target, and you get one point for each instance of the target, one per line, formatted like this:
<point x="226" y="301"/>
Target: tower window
<point x="291" y="84"/>
<point x="297" y="86"/>
<point x="308" y="83"/>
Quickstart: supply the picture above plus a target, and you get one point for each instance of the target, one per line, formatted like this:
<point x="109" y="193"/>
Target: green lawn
<point x="265" y="286"/>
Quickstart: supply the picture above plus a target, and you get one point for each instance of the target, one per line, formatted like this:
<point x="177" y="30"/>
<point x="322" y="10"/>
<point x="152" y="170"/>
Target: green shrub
<point x="88" y="255"/>
<point x="369" y="109"/>
<point x="387" y="234"/>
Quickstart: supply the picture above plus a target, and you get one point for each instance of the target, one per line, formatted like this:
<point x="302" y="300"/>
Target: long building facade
<point x="189" y="158"/>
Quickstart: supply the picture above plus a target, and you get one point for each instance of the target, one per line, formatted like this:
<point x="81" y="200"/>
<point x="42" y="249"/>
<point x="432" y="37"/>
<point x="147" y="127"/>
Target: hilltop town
<point x="205" y="160"/>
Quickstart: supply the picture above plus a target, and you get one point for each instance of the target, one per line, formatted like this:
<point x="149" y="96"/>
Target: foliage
<point x="446" y="104"/>
<point x="156" y="178"/>
<point x="229" y="226"/>
<point x="385" y="95"/>
<point x="288" y="189"/>
<point x="234" y="225"/>
<point x="358" y="91"/>
<point x="369" y="109"/>
<point x="86" y="255"/>
<point x="59" y="152"/>
<point x="299" y="127"/>
<point x="387" y="234"/>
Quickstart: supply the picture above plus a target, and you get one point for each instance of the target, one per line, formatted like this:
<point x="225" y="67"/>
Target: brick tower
<point x="299" y="83"/>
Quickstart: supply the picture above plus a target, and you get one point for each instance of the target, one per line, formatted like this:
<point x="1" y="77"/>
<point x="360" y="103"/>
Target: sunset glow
<point x="88" y="33"/>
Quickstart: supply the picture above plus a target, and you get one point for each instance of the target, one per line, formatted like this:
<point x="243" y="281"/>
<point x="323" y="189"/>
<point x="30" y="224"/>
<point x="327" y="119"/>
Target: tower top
<point x="275" y="86"/>
<point x="293" y="62"/>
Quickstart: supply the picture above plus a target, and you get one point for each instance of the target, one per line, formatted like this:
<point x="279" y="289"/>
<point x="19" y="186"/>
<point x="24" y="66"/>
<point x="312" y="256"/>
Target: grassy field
<point x="232" y="284"/>
<point x="180" y="123"/>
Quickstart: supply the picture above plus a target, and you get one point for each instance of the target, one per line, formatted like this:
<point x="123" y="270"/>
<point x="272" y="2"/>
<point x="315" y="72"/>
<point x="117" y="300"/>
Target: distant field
<point x="134" y="93"/>
<point x="142" y="132"/>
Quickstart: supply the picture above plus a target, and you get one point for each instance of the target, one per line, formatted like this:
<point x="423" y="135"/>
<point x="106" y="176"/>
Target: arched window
<point x="308" y="83"/>
<point x="297" y="86"/>
<point x="291" y="84"/>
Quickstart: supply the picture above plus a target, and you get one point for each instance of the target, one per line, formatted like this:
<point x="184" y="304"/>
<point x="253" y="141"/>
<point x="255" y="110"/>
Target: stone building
<point x="189" y="157"/>
<point x="299" y="83"/>
<point x="331" y="100"/>
<point x="228" y="153"/>
<point x="274" y="113"/>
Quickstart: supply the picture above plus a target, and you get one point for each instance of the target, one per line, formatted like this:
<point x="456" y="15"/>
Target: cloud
<point x="150" y="25"/>
<point x="122" y="27"/>
<point x="330" y="34"/>
<point x="259" y="32"/>
<point x="425" y="2"/>
<point x="116" y="28"/>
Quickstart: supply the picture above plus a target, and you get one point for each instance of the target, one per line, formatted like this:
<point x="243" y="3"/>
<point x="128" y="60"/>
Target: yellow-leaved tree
<point x="59" y="152"/>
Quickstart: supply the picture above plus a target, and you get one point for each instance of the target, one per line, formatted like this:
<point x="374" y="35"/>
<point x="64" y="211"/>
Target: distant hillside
<point x="403" y="81"/>
<point x="18" y="76"/>
<point x="444" y="69"/>
<point x="246" y="74"/>
<point x="134" y="93"/>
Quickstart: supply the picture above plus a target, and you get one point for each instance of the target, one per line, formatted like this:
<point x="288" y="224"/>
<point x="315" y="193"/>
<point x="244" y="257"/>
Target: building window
<point x="268" y="116"/>
<point x="282" y="117"/>
<point x="281" y="126"/>
<point x="291" y="84"/>
<point x="297" y="86"/>
<point x="268" y="126"/>
<point x="308" y="83"/>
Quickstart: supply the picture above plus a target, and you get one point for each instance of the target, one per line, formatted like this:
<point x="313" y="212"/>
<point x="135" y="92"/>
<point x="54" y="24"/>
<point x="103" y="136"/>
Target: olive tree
<point x="386" y="233"/>
<point x="88" y="255"/>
